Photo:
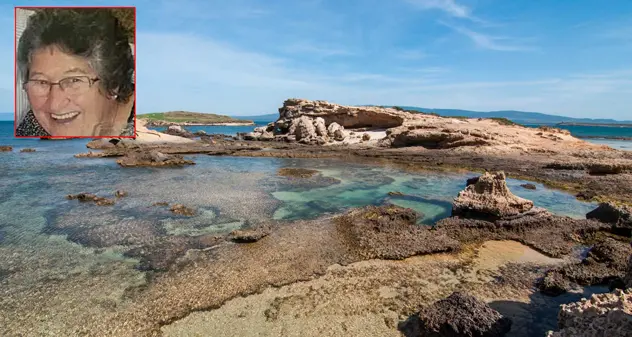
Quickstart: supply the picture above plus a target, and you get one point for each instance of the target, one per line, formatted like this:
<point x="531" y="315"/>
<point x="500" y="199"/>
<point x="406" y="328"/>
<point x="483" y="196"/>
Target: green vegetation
<point x="190" y="117"/>
<point x="504" y="121"/>
<point x="417" y="111"/>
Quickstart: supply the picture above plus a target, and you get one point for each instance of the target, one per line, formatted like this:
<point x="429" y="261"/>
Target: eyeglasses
<point x="75" y="85"/>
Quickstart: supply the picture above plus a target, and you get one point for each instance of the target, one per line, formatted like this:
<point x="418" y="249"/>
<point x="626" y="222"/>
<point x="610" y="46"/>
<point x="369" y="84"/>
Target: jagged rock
<point x="489" y="198"/>
<point x="607" y="168"/>
<point x="336" y="131"/>
<point x="303" y="128"/>
<point x="389" y="232"/>
<point x="554" y="283"/>
<point x="461" y="315"/>
<point x="608" y="314"/>
<point x="319" y="125"/>
<point x="5" y="148"/>
<point x="619" y="216"/>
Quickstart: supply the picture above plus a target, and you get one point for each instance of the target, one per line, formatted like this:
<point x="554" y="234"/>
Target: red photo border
<point x="15" y="73"/>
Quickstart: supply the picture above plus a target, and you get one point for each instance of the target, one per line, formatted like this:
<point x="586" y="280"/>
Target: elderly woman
<point x="78" y="73"/>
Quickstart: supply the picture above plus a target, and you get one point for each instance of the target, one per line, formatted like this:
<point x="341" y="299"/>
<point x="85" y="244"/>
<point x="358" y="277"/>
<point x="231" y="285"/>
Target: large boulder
<point x="489" y="198"/>
<point x="336" y="131"/>
<point x="461" y="315"/>
<point x="607" y="314"/>
<point x="619" y="216"/>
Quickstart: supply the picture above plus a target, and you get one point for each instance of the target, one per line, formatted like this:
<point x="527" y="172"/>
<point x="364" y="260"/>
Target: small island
<point x="182" y="118"/>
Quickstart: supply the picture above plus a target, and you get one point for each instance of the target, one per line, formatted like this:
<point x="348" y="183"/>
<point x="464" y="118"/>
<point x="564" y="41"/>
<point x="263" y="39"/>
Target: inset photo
<point x="75" y="72"/>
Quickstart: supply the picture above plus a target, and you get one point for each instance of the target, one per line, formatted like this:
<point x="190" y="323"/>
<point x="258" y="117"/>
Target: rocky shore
<point x="373" y="271"/>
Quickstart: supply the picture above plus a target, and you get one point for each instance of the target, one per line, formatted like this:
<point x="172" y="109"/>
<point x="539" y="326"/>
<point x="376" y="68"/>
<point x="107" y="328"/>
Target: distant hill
<point x="521" y="117"/>
<point x="189" y="118"/>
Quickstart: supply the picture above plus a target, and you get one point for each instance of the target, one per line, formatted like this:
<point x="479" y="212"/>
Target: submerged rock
<point x="182" y="210"/>
<point x="296" y="172"/>
<point x="389" y="232"/>
<point x="152" y="158"/>
<point x="461" y="315"/>
<point x="88" y="197"/>
<point x="5" y="148"/>
<point x="489" y="198"/>
<point x="528" y="186"/>
<point x="28" y="149"/>
<point x="607" y="314"/>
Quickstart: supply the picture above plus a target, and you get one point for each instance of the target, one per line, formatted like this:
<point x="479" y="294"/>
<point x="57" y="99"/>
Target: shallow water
<point x="40" y="228"/>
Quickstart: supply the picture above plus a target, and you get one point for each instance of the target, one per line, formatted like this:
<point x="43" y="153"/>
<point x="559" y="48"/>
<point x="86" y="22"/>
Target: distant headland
<point x="190" y="118"/>
<point x="621" y="125"/>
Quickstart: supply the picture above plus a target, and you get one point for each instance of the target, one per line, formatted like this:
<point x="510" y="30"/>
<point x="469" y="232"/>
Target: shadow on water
<point x="533" y="319"/>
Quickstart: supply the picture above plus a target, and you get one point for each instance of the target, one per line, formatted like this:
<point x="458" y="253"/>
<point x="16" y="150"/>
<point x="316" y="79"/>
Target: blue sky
<point x="245" y="57"/>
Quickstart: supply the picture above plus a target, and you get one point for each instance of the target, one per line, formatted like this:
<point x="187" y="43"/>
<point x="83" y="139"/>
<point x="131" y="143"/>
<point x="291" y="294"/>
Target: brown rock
<point x="5" y="148"/>
<point x="528" y="186"/>
<point x="136" y="158"/>
<point x="366" y="137"/>
<point x="296" y="172"/>
<point x="88" y="197"/>
<point x="389" y="232"/>
<point x="619" y="216"/>
<point x="182" y="210"/>
<point x="249" y="235"/>
<point x="27" y="150"/>
<point x="490" y="198"/>
<point x="120" y="194"/>
<point x="461" y="315"/>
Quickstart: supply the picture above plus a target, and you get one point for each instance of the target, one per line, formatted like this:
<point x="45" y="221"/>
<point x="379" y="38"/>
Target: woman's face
<point x="68" y="112"/>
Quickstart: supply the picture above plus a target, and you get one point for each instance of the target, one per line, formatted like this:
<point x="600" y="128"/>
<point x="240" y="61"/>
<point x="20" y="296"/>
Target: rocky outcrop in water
<point x="461" y="315"/>
<point x="153" y="158"/>
<point x="5" y="148"/>
<point x="487" y="210"/>
<point x="619" y="216"/>
<point x="389" y="232"/>
<point x="489" y="198"/>
<point x="607" y="314"/>
<point x="27" y="150"/>
<point x="89" y="197"/>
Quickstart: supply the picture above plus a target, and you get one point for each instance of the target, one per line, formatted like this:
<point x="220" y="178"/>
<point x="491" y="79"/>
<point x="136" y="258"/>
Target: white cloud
<point x="488" y="41"/>
<point x="448" y="6"/>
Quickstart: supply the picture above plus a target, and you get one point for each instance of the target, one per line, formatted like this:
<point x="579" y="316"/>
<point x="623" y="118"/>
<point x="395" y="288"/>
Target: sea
<point x="39" y="226"/>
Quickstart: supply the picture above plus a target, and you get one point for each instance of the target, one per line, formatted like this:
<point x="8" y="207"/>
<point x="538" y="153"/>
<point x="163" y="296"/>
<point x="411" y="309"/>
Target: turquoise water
<point x="593" y="131"/>
<point x="72" y="259"/>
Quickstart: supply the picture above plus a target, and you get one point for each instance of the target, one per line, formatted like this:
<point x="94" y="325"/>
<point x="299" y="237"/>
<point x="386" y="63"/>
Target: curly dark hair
<point x="93" y="33"/>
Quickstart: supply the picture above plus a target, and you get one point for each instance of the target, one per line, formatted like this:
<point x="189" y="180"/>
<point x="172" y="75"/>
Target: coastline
<point x="167" y="124"/>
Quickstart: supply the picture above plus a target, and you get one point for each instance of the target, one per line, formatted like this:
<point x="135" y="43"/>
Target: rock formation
<point x="489" y="198"/>
<point x="389" y="232"/>
<point x="461" y="315"/>
<point x="177" y="130"/>
<point x="321" y="122"/>
<point x="89" y="197"/>
<point x="152" y="158"/>
<point x="619" y="216"/>
<point x="5" y="148"/>
<point x="607" y="314"/>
